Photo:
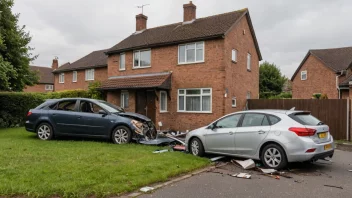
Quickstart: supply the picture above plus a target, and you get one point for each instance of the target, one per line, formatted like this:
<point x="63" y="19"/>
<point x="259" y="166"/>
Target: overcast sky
<point x="285" y="29"/>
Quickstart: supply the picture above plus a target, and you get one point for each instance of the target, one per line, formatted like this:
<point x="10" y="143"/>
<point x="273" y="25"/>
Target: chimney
<point x="55" y="64"/>
<point x="141" y="22"/>
<point x="189" y="11"/>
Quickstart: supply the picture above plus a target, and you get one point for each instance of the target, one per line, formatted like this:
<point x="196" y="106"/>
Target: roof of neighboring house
<point x="336" y="59"/>
<point x="45" y="74"/>
<point x="92" y="60"/>
<point x="205" y="28"/>
<point x="150" y="80"/>
<point x="346" y="81"/>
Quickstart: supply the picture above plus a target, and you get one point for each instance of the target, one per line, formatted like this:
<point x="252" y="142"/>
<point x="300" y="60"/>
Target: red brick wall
<point x="344" y="93"/>
<point x="100" y="74"/>
<point x="238" y="79"/>
<point x="320" y="79"/>
<point x="36" y="88"/>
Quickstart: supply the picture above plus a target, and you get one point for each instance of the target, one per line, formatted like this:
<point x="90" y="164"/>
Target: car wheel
<point x="121" y="135"/>
<point x="196" y="147"/>
<point x="273" y="156"/>
<point x="45" y="131"/>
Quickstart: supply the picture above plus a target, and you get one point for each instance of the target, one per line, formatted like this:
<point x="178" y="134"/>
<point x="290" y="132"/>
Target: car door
<point x="220" y="137"/>
<point x="63" y="114"/>
<point x="252" y="131"/>
<point x="91" y="122"/>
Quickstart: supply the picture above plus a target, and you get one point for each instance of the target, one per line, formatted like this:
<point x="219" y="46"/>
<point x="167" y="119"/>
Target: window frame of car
<point x="89" y="101"/>
<point x="265" y="114"/>
<point x="57" y="103"/>
<point x="213" y="124"/>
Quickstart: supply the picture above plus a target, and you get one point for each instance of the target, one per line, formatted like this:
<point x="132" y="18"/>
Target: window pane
<point x="193" y="91"/>
<point x="229" y="122"/>
<point x="190" y="46"/>
<point x="193" y="103"/>
<point x="199" y="45"/>
<point x="206" y="103"/>
<point x="162" y="101"/>
<point x="122" y="61"/>
<point x="181" y="53"/>
<point x="206" y="91"/>
<point x="145" y="58"/>
<point x="252" y="120"/>
<point x="126" y="99"/>
<point x="248" y="61"/>
<point x="265" y="121"/>
<point x="181" y="91"/>
<point x="199" y="55"/>
<point x="136" y="59"/>
<point x="190" y="55"/>
<point x="181" y="103"/>
<point x="273" y="119"/>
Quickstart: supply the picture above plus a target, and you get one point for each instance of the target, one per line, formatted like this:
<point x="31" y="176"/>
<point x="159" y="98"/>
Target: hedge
<point x="15" y="105"/>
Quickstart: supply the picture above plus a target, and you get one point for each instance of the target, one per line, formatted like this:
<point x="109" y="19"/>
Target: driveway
<point x="307" y="181"/>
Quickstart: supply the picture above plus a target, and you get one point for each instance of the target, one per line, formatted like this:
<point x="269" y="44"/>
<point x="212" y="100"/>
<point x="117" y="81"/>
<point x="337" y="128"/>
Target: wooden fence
<point x="333" y="112"/>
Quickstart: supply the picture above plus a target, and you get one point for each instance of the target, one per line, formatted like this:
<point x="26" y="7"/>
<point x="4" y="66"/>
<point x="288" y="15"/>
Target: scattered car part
<point x="242" y="175"/>
<point x="216" y="158"/>
<point x="267" y="171"/>
<point x="340" y="187"/>
<point x="246" y="164"/>
<point x="179" y="148"/>
<point x="157" y="142"/>
<point x="146" y="189"/>
<point x="161" y="151"/>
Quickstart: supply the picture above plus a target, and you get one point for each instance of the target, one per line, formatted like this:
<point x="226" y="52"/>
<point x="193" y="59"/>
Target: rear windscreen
<point x="306" y="119"/>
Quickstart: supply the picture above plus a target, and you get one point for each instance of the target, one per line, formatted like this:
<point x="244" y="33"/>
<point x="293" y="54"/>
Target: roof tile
<point x="45" y="74"/>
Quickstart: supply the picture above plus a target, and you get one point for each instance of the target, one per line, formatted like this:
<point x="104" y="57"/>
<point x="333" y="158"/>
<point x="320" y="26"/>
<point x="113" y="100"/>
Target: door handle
<point x="261" y="132"/>
<point x="231" y="133"/>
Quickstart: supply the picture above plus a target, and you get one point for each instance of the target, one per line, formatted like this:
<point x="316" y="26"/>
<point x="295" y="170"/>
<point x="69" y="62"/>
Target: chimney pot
<point x="189" y="12"/>
<point x="141" y="22"/>
<point x="55" y="64"/>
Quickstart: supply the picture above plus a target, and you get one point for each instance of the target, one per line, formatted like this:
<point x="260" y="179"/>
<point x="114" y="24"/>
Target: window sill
<point x="122" y="69"/>
<point x="61" y="82"/>
<point x="164" y="112"/>
<point x="90" y="80"/>
<point x="141" y="67"/>
<point x="234" y="106"/>
<point x="191" y="63"/>
<point x="200" y="112"/>
<point x="74" y="81"/>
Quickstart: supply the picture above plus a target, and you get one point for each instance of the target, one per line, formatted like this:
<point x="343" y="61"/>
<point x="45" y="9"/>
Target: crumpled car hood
<point x="135" y="115"/>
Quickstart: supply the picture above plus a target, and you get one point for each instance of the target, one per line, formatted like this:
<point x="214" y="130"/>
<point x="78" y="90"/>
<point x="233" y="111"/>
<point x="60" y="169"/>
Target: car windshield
<point x="110" y="107"/>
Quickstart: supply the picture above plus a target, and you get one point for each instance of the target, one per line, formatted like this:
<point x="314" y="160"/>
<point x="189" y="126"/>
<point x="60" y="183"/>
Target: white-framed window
<point x="303" y="75"/>
<point x="122" y="62"/>
<point x="249" y="62"/>
<point x="124" y="99"/>
<point x="196" y="100"/>
<point x="61" y="77"/>
<point x="234" y="55"/>
<point x="89" y="74"/>
<point x="191" y="53"/>
<point x="49" y="87"/>
<point x="163" y="101"/>
<point x="234" y="102"/>
<point x="248" y="95"/>
<point x="142" y="58"/>
<point x="74" y="76"/>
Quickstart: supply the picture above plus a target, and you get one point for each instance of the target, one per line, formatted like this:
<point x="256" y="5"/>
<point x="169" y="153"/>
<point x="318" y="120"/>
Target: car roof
<point x="282" y="111"/>
<point x="89" y="99"/>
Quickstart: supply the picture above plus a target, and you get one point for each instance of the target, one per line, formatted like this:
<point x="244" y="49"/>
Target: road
<point x="308" y="181"/>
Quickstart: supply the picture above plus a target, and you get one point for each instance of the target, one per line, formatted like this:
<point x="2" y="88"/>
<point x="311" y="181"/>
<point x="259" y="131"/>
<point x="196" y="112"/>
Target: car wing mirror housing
<point x="212" y="126"/>
<point x="102" y="112"/>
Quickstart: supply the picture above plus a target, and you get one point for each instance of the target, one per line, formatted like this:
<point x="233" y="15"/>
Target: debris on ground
<point x="298" y="181"/>
<point x="277" y="177"/>
<point x="179" y="148"/>
<point x="340" y="187"/>
<point x="158" y="141"/>
<point x="161" y="151"/>
<point x="146" y="189"/>
<point x="267" y="171"/>
<point x="242" y="175"/>
<point x="216" y="158"/>
<point x="349" y="170"/>
<point x="246" y="164"/>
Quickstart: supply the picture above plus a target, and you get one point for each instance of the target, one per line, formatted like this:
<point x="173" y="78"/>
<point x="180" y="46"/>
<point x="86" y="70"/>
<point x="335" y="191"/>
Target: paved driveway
<point x="307" y="181"/>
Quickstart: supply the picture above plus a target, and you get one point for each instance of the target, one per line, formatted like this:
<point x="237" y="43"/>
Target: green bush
<point x="283" y="95"/>
<point x="15" y="105"/>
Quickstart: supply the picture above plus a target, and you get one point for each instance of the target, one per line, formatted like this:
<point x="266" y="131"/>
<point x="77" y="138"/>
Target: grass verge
<point x="35" y="168"/>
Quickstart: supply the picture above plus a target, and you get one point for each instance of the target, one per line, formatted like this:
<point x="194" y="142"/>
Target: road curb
<point x="174" y="180"/>
<point x="344" y="147"/>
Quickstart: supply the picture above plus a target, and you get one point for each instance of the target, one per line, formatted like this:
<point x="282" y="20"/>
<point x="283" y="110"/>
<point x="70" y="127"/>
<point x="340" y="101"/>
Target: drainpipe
<point x="337" y="83"/>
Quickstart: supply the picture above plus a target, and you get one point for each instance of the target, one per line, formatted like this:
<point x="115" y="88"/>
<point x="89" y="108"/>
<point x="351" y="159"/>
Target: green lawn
<point x="74" y="168"/>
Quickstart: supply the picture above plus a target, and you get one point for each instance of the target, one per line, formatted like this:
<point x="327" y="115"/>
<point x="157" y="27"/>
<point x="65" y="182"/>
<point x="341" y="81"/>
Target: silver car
<point x="275" y="137"/>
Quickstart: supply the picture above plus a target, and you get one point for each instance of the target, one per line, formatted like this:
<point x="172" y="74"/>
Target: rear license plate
<point x="322" y="135"/>
<point x="328" y="146"/>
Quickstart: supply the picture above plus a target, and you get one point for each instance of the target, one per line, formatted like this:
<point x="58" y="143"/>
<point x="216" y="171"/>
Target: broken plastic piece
<point x="349" y="170"/>
<point x="277" y="177"/>
<point x="179" y="148"/>
<point x="246" y="164"/>
<point x="216" y="158"/>
<point x="242" y="175"/>
<point x="268" y="171"/>
<point x="161" y="151"/>
<point x="146" y="189"/>
<point x="340" y="187"/>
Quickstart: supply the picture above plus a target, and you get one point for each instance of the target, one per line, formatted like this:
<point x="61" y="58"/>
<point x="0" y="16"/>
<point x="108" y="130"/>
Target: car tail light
<point x="29" y="113"/>
<point x="311" y="150"/>
<point x="303" y="131"/>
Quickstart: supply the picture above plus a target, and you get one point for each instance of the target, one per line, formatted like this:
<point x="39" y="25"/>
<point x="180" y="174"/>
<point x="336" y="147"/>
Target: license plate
<point x="322" y="135"/>
<point x="328" y="146"/>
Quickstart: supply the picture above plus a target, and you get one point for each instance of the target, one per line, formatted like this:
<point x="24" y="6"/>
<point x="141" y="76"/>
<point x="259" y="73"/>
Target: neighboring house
<point x="46" y="79"/>
<point x="78" y="75"/>
<point x="325" y="71"/>
<point x="186" y="74"/>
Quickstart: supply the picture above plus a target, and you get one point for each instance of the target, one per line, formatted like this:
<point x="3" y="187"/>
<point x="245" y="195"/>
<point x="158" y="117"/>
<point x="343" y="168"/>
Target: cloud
<point x="286" y="30"/>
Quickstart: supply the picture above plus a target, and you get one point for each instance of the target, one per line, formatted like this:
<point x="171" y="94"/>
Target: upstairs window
<point x="61" y="77"/>
<point x="249" y="62"/>
<point x="49" y="87"/>
<point x="122" y="62"/>
<point x="90" y="74"/>
<point x="74" y="76"/>
<point x="234" y="55"/>
<point x="303" y="75"/>
<point x="141" y="58"/>
<point x="191" y="53"/>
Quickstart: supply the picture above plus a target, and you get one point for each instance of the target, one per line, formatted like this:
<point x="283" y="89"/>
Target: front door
<point x="145" y="104"/>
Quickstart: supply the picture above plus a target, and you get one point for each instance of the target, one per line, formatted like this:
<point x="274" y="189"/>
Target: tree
<point x="15" y="52"/>
<point x="271" y="80"/>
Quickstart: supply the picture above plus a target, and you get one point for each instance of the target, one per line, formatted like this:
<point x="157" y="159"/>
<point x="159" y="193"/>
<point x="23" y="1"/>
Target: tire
<point x="273" y="156"/>
<point x="121" y="135"/>
<point x="196" y="147"/>
<point x="45" y="131"/>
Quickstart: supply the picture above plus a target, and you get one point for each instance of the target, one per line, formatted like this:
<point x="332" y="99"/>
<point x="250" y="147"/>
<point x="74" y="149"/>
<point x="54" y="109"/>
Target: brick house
<point x="46" y="80"/>
<point x="186" y="74"/>
<point x="78" y="75"/>
<point x="325" y="71"/>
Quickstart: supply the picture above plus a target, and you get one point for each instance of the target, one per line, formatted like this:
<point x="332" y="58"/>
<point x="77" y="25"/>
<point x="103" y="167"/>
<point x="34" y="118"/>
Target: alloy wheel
<point x="195" y="147"/>
<point x="121" y="136"/>
<point x="272" y="157"/>
<point x="44" y="132"/>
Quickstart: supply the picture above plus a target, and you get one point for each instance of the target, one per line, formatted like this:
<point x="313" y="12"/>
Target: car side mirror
<point x="102" y="112"/>
<point x="212" y="126"/>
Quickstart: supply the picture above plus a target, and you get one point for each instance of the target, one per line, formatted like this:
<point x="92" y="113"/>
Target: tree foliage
<point x="271" y="80"/>
<point x="15" y="52"/>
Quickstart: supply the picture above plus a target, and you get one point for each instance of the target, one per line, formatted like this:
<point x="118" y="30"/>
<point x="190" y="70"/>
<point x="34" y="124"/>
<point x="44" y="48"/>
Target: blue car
<point x="88" y="118"/>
